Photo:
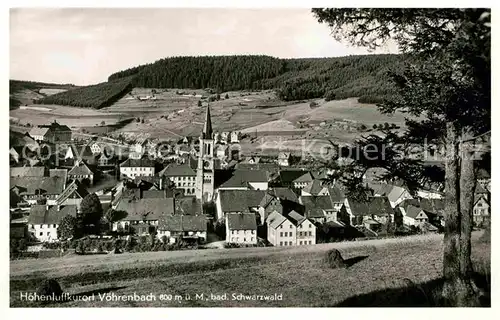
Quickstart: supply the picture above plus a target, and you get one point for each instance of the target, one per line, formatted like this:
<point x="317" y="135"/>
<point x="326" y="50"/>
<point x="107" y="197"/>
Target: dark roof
<point x="479" y="188"/>
<point x="296" y="218"/>
<point x="74" y="187"/>
<point x="63" y="173"/>
<point x="483" y="174"/>
<point x="27" y="171"/>
<point x="433" y="205"/>
<point x="241" y="221"/>
<point x="28" y="185"/>
<point x="275" y="219"/>
<point x="175" y="170"/>
<point x="284" y="194"/>
<point x="207" y="128"/>
<point x="182" y="223"/>
<point x="145" y="162"/>
<point x="241" y="178"/>
<point x="311" y="207"/>
<point x="240" y="200"/>
<point x="148" y="194"/>
<point x="413" y="211"/>
<point x="374" y="206"/>
<point x="40" y="215"/>
<point x="289" y="176"/>
<point x="336" y="194"/>
<point x="188" y="206"/>
<point x="80" y="168"/>
<point x="146" y="209"/>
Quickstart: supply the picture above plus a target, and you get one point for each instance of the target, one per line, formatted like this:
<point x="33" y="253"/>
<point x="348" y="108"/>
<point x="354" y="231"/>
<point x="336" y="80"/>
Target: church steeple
<point x="207" y="128"/>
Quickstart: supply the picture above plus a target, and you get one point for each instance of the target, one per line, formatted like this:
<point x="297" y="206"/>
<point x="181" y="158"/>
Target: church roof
<point x="207" y="128"/>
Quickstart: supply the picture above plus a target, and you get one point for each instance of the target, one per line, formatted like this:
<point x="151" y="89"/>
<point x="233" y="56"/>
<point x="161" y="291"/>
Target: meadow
<point x="383" y="272"/>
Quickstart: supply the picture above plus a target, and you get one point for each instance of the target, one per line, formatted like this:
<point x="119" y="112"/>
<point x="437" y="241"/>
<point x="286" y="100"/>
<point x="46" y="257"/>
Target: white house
<point x="222" y="151"/>
<point x="237" y="201"/>
<point x="235" y="137"/>
<point x="280" y="230"/>
<point x="43" y="221"/>
<point x="183" y="176"/>
<point x="284" y="159"/>
<point x="241" y="228"/>
<point x="132" y="168"/>
<point x="183" y="227"/>
<point x="305" y="229"/>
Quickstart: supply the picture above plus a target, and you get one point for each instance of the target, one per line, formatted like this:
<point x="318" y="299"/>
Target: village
<point x="200" y="190"/>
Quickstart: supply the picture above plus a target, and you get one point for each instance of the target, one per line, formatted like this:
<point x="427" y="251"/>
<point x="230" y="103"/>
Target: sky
<point x="85" y="46"/>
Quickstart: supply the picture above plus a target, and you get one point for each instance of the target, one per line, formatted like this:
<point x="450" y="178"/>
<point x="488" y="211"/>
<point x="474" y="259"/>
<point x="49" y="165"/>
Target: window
<point x="281" y="243"/>
<point x="290" y="226"/>
<point x="300" y="233"/>
<point x="41" y="233"/>
<point x="310" y="242"/>
<point x="291" y="243"/>
<point x="310" y="233"/>
<point x="253" y="231"/>
<point x="244" y="239"/>
<point x="310" y="226"/>
<point x="54" y="226"/>
<point x="281" y="226"/>
<point x="286" y="234"/>
<point x="252" y="239"/>
<point x="281" y="234"/>
<point x="300" y="242"/>
<point x="48" y="233"/>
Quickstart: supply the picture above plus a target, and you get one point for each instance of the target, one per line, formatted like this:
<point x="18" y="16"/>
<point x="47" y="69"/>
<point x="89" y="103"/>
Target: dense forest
<point x="294" y="79"/>
<point x="364" y="77"/>
<point x="96" y="96"/>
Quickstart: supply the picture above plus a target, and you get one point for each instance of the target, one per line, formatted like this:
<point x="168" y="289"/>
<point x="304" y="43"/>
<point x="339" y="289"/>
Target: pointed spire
<point x="207" y="128"/>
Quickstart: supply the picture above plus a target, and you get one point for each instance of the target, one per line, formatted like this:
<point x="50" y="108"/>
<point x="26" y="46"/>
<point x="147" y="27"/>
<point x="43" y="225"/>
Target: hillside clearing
<point x="297" y="273"/>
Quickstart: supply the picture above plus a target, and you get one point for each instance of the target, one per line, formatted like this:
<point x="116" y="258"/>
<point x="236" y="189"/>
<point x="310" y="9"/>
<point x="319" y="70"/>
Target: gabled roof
<point x="336" y="194"/>
<point x="188" y="206"/>
<point x="275" y="219"/>
<point x="241" y="178"/>
<point x="47" y="185"/>
<point x="480" y="189"/>
<point x="240" y="200"/>
<point x="37" y="131"/>
<point x="63" y="173"/>
<point x="176" y="170"/>
<point x="40" y="215"/>
<point x="314" y="187"/>
<point x="267" y="200"/>
<point x="284" y="155"/>
<point x="314" y="206"/>
<point x="135" y="163"/>
<point x="27" y="171"/>
<point x="241" y="221"/>
<point x="433" y="205"/>
<point x="182" y="223"/>
<point x="74" y="187"/>
<point x="296" y="218"/>
<point x="80" y="168"/>
<point x="290" y="176"/>
<point x="374" y="206"/>
<point x="271" y="168"/>
<point x="284" y="194"/>
<point x="82" y="151"/>
<point x="146" y="209"/>
<point x="413" y="211"/>
<point x="483" y="174"/>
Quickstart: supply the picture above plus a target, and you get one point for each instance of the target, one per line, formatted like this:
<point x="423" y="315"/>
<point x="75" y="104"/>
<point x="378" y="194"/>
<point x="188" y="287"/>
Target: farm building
<point x="241" y="228"/>
<point x="44" y="221"/>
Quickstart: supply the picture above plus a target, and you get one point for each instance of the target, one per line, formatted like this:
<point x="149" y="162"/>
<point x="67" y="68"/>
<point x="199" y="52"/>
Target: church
<point x="205" y="170"/>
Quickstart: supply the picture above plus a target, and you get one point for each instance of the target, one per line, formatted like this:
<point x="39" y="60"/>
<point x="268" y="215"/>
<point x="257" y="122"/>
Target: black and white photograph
<point x="249" y="157"/>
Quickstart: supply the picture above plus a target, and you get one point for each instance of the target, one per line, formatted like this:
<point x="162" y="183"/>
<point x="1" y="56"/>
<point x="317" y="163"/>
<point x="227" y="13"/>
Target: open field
<point x="377" y="271"/>
<point x="259" y="114"/>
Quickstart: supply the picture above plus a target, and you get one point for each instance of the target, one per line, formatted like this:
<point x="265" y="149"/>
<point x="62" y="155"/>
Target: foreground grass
<point x="297" y="274"/>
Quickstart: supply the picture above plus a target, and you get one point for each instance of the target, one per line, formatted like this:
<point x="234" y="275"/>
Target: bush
<point x="334" y="260"/>
<point x="49" y="287"/>
<point x="330" y="95"/>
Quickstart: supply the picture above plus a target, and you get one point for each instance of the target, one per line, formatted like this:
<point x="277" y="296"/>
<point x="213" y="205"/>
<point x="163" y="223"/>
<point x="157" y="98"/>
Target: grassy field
<point x="377" y="272"/>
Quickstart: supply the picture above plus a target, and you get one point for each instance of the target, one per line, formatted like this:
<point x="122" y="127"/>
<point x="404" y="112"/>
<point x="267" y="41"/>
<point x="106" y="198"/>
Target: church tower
<point x="205" y="170"/>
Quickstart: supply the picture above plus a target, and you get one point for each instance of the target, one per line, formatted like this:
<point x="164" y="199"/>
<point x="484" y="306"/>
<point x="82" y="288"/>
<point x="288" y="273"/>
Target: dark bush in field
<point x="333" y="259"/>
<point x="49" y="287"/>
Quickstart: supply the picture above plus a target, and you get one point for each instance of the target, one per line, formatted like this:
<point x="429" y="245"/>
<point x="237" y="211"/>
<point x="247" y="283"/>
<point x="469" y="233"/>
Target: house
<point x="235" y="137"/>
<point x="282" y="200"/>
<point x="132" y="168"/>
<point x="481" y="209"/>
<point x="237" y="201"/>
<point x="395" y="194"/>
<point x="183" y="227"/>
<point x="216" y="136"/>
<point x="35" y="190"/>
<point x="484" y="178"/>
<point x="251" y="160"/>
<point x="63" y="173"/>
<point x="319" y="209"/>
<point x="280" y="230"/>
<point x="284" y="159"/>
<point x="222" y="151"/>
<point x="305" y="229"/>
<point x="44" y="221"/>
<point x="413" y="215"/>
<point x="246" y="180"/>
<point x="297" y="179"/>
<point x="224" y="137"/>
<point x="53" y="133"/>
<point x="337" y="197"/>
<point x="81" y="172"/>
<point x="72" y="195"/>
<point x="432" y="208"/>
<point x="371" y="213"/>
<point x="315" y="188"/>
<point x="79" y="153"/>
<point x="28" y="171"/>
<point x="183" y="176"/>
<point x="143" y="215"/>
<point x="241" y="228"/>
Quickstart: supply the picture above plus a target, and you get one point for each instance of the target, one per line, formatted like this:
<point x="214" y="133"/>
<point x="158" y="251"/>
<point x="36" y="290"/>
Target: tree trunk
<point x="451" y="263"/>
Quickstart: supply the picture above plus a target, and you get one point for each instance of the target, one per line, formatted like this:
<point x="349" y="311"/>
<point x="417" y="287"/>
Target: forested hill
<point x="293" y="79"/>
<point x="334" y="78"/>
<point x="17" y="85"/>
